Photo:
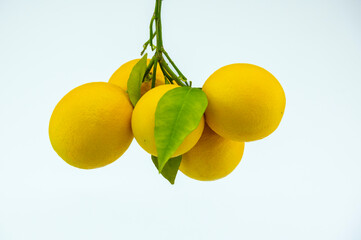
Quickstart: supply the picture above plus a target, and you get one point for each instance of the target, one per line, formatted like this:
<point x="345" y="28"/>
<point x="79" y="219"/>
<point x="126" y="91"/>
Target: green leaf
<point x="170" y="170"/>
<point x="178" y="113"/>
<point x="135" y="79"/>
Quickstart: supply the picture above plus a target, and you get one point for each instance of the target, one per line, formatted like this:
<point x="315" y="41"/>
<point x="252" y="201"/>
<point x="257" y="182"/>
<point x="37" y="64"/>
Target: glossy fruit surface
<point x="212" y="158"/>
<point x="143" y="121"/>
<point x="245" y="102"/>
<point x="91" y="125"/>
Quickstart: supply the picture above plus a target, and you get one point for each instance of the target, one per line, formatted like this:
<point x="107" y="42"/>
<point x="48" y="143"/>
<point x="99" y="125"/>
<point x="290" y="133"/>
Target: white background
<point x="302" y="182"/>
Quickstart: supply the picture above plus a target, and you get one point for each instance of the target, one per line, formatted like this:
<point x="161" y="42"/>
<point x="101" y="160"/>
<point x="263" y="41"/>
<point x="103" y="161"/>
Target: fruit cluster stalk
<point x="160" y="55"/>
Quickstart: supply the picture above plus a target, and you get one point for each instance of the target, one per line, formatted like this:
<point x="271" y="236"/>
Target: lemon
<point x="245" y="102"/>
<point x="91" y="125"/>
<point x="143" y="120"/>
<point x="121" y="75"/>
<point x="212" y="158"/>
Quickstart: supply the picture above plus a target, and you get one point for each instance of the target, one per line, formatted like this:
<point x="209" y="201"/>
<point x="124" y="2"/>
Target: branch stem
<point x="173" y="64"/>
<point x="158" y="58"/>
<point x="154" y="74"/>
<point x="149" y="67"/>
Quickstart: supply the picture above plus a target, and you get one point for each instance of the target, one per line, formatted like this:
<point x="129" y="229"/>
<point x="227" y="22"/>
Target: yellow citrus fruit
<point x="91" y="125"/>
<point x="143" y="121"/>
<point x="212" y="158"/>
<point x="121" y="75"/>
<point x="245" y="102"/>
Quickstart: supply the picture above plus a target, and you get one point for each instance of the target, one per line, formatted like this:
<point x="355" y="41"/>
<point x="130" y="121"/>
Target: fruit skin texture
<point x="121" y="75"/>
<point x="245" y="102"/>
<point x="143" y="121"/>
<point x="212" y="158"/>
<point x="91" y="125"/>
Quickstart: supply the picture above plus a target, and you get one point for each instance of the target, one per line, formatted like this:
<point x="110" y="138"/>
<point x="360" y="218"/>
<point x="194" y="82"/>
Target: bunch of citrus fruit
<point x="201" y="132"/>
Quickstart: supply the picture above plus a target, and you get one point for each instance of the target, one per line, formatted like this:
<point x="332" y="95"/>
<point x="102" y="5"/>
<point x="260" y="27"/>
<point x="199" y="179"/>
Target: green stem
<point x="158" y="23"/>
<point x="145" y="45"/>
<point x="151" y="32"/>
<point x="149" y="67"/>
<point x="154" y="74"/>
<point x="173" y="64"/>
<point x="169" y="78"/>
<point x="171" y="73"/>
<point x="180" y="79"/>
